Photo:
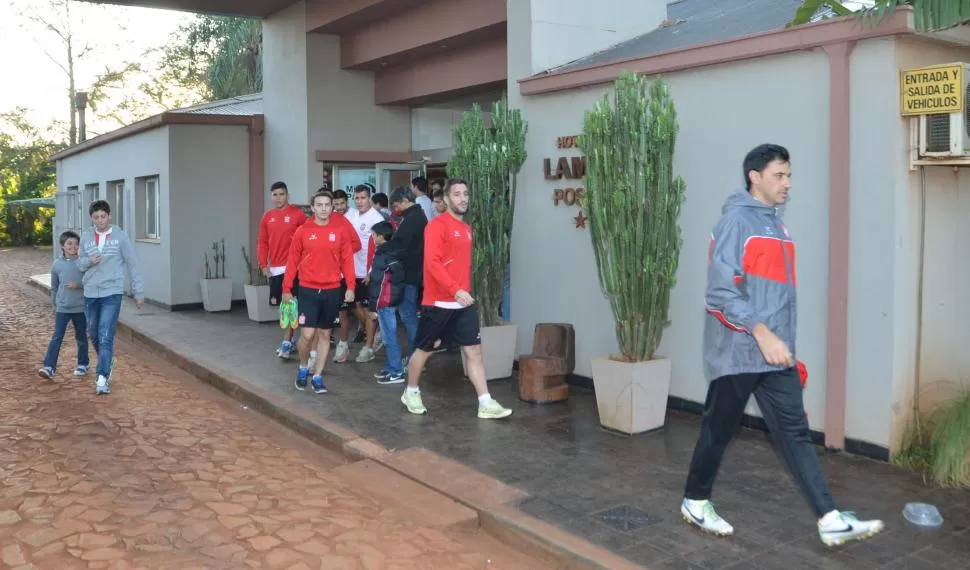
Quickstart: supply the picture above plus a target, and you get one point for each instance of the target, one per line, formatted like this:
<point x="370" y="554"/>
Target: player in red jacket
<point x="448" y="312"/>
<point x="321" y="253"/>
<point x="276" y="231"/>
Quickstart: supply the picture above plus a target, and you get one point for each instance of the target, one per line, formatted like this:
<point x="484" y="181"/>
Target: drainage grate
<point x="626" y="518"/>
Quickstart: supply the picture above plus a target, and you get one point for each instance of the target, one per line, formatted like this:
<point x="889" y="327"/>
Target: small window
<point x="91" y="192"/>
<point x="116" y="198"/>
<point x="147" y="202"/>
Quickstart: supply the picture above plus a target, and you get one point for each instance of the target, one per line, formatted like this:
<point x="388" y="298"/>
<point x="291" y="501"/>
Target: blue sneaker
<point x="285" y="349"/>
<point x="46" y="372"/>
<point x="318" y="387"/>
<point x="81" y="370"/>
<point x="301" y="377"/>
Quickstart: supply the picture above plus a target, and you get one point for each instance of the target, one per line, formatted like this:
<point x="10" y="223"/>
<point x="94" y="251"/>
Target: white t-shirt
<point x="362" y="224"/>
<point x="427" y="205"/>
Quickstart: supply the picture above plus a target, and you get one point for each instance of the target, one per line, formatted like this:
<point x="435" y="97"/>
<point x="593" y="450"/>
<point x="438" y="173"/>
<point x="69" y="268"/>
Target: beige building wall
<point x="209" y="202"/>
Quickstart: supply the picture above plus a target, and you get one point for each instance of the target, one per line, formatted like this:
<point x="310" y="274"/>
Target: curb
<point x="524" y="532"/>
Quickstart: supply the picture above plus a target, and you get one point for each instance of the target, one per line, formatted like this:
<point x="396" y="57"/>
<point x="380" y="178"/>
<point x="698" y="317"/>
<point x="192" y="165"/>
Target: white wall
<point x="287" y="151"/>
<point x="341" y="110"/>
<point x="144" y="154"/>
<point x="566" y="30"/>
<point x="945" y="362"/>
<point x="432" y="128"/>
<point x="210" y="202"/>
<point x="715" y="134"/>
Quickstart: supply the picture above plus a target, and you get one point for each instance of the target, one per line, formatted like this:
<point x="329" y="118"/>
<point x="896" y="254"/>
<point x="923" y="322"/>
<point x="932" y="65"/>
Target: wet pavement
<point x="169" y="473"/>
<point x="620" y="492"/>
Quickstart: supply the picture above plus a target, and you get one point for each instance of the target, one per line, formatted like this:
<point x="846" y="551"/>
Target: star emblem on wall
<point x="580" y="220"/>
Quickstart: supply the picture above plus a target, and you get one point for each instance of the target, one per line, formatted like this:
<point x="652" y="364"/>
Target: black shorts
<point x="361" y="294"/>
<point x="318" y="308"/>
<point x="276" y="289"/>
<point x="451" y="326"/>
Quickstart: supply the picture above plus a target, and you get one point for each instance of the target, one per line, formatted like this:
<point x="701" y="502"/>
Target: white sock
<point x="342" y="343"/>
<point x="313" y="354"/>
<point x="484" y="398"/>
<point x="413" y="390"/>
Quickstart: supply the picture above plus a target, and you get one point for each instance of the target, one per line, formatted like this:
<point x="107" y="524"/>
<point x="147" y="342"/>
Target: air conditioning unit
<point x="947" y="135"/>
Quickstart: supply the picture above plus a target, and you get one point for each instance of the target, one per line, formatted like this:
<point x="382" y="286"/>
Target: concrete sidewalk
<point x="550" y="474"/>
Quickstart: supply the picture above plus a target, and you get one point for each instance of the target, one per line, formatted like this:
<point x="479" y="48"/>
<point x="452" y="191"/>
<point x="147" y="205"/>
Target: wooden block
<point x="542" y="379"/>
<point x="556" y="339"/>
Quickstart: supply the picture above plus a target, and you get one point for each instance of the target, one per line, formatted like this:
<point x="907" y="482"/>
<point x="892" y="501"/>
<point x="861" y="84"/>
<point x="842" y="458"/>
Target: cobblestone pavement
<point x="168" y="473"/>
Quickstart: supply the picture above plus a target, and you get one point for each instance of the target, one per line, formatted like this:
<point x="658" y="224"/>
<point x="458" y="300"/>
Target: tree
<point x="25" y="172"/>
<point x="930" y="15"/>
<point x="58" y="20"/>
<point x="220" y="56"/>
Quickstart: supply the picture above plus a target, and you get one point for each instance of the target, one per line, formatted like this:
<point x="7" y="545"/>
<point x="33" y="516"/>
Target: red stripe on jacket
<point x="764" y="257"/>
<point x="276" y="229"/>
<point x="320" y="255"/>
<point x="447" y="259"/>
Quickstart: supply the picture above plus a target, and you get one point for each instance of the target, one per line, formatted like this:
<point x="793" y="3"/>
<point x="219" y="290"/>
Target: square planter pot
<point x="216" y="294"/>
<point x="498" y="351"/>
<point x="631" y="396"/>
<point x="257" y="304"/>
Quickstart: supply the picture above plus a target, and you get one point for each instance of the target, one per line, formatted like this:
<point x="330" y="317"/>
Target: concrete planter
<point x="216" y="294"/>
<point x="257" y="304"/>
<point x="498" y="351"/>
<point x="631" y="396"/>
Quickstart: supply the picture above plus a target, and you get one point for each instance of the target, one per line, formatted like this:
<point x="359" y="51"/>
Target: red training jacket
<point x="276" y="230"/>
<point x="447" y="261"/>
<point x="342" y="221"/>
<point x="320" y="254"/>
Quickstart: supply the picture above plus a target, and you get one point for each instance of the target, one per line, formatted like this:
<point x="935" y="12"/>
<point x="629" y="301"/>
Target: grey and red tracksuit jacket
<point x="750" y="280"/>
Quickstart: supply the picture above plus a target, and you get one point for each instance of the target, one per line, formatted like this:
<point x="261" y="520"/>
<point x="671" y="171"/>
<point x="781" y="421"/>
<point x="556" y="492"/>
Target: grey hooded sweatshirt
<point x="750" y="280"/>
<point x="108" y="277"/>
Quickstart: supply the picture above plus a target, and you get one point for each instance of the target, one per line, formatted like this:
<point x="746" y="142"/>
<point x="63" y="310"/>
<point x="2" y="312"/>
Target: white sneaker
<point x="366" y="354"/>
<point x="837" y="528"/>
<point x="103" y="386"/>
<point x="343" y="351"/>
<point x="702" y="515"/>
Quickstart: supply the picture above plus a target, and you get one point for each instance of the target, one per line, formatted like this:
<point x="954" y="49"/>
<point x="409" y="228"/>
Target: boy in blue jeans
<point x="68" y="299"/>
<point x="385" y="280"/>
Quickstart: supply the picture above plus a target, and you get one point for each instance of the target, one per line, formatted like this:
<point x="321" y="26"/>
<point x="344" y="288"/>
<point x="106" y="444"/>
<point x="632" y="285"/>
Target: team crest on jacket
<point x="333" y="236"/>
<point x="286" y="220"/>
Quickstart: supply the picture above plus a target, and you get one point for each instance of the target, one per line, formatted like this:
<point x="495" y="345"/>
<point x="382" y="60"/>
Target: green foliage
<point x="25" y="173"/>
<point x="940" y="446"/>
<point x="634" y="201"/>
<point x="809" y="8"/>
<point x="217" y="270"/>
<point x="219" y="56"/>
<point x="930" y="15"/>
<point x="489" y="159"/>
<point x="254" y="272"/>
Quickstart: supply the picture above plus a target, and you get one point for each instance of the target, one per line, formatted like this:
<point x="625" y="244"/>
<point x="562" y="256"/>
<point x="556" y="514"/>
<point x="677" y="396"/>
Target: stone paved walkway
<point x="168" y="473"/>
<point x="619" y="492"/>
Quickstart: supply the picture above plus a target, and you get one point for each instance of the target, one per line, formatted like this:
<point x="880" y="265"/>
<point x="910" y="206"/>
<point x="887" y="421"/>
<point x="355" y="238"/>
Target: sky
<point x="32" y="80"/>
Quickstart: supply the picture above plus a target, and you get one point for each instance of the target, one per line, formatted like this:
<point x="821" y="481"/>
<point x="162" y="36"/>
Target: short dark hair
<point x="380" y="199"/>
<point x="361" y="188"/>
<point x="439" y="182"/>
<point x="402" y="193"/>
<point x="453" y="182"/>
<point x="324" y="194"/>
<point x="421" y="183"/>
<point x="66" y="235"/>
<point x="279" y="184"/>
<point x="383" y="229"/>
<point x="760" y="157"/>
<point x="99" y="206"/>
<point x="439" y="193"/>
<point x="339" y="194"/>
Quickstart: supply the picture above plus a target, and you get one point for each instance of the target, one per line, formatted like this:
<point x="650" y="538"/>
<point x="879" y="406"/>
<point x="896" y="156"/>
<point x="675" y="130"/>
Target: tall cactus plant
<point x="634" y="201"/>
<point x="489" y="159"/>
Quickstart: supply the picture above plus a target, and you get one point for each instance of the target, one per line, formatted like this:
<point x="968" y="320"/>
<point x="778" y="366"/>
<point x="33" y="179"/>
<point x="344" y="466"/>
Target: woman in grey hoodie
<point x="105" y="254"/>
<point x="68" y="307"/>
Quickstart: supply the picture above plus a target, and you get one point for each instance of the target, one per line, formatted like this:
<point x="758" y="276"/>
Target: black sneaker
<point x="382" y="374"/>
<point x="391" y="379"/>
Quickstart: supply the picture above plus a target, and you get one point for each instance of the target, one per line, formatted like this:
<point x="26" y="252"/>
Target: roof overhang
<point x="252" y="8"/>
<point x="155" y="122"/>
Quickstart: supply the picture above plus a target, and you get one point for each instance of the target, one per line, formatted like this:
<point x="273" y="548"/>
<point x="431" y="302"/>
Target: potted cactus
<point x="634" y="201"/>
<point x="489" y="159"/>
<point x="257" y="293"/>
<point x="216" y="289"/>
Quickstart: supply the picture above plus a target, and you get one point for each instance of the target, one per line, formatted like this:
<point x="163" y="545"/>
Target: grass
<point x="941" y="447"/>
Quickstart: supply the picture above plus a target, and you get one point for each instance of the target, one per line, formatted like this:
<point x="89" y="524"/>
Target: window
<point x="91" y="192"/>
<point x="116" y="197"/>
<point x="67" y="208"/>
<point x="147" y="202"/>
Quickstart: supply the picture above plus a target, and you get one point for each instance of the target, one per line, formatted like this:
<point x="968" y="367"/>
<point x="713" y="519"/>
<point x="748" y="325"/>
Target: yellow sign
<point x="932" y="90"/>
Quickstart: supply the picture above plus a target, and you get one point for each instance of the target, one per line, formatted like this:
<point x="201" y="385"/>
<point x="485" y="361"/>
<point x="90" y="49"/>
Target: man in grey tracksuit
<point x="105" y="255"/>
<point x="749" y="348"/>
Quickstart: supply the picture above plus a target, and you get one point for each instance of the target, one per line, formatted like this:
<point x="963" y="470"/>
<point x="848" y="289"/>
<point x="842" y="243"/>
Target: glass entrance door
<point x="390" y="176"/>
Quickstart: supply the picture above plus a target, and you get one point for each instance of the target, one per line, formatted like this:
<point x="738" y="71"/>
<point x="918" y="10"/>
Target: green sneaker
<point x="289" y="315"/>
<point x="413" y="403"/>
